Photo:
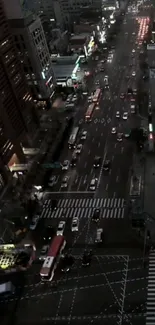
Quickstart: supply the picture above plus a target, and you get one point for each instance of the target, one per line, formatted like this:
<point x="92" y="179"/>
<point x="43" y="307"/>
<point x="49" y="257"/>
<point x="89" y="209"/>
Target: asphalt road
<point x="100" y="141"/>
<point x="113" y="289"/>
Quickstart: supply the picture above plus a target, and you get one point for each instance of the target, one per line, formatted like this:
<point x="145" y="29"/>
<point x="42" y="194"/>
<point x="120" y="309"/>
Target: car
<point x="127" y="133"/>
<point x="132" y="109"/>
<point x="65" y="182"/>
<point x="89" y="99"/>
<point x="130" y="91"/>
<point x="73" y="160"/>
<point x="97" y="161"/>
<point x="61" y="228"/>
<point x="122" y="95"/>
<point x="84" y="135"/>
<point x="102" y="69"/>
<point x="43" y="252"/>
<point x="99" y="234"/>
<point x="117" y="114"/>
<point x="133" y="74"/>
<point x="52" y="181"/>
<point x="78" y="148"/>
<point x="133" y="51"/>
<point x="96" y="215"/>
<point x="75" y="224"/>
<point x="48" y="234"/>
<point x="93" y="184"/>
<point x="66" y="263"/>
<point x="113" y="130"/>
<point x="34" y="222"/>
<point x="86" y="258"/>
<point x="106" y="165"/>
<point x="97" y="82"/>
<point x="125" y="115"/>
<point x="65" y="165"/>
<point x="119" y="137"/>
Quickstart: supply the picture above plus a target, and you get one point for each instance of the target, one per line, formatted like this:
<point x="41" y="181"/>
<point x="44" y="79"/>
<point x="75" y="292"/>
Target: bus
<point x="96" y="95"/>
<point x="54" y="253"/>
<point x="73" y="137"/>
<point x="89" y="112"/>
<point x="135" y="186"/>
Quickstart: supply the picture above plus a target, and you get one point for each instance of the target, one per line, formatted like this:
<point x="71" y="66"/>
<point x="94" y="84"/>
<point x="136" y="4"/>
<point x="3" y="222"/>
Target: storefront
<point x="90" y="47"/>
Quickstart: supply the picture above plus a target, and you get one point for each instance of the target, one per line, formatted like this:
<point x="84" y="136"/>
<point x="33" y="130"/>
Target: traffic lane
<point x="86" y="170"/>
<point x="122" y="161"/>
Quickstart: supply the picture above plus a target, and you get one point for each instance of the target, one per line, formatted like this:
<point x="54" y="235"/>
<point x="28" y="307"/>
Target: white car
<point x="99" y="235"/>
<point x="61" y="228"/>
<point x="125" y="115"/>
<point x="113" y="131"/>
<point x="75" y="224"/>
<point x="93" y="184"/>
<point x="52" y="181"/>
<point x="119" y="137"/>
<point x="117" y="114"/>
<point x="89" y="99"/>
<point x="133" y="51"/>
<point x="65" y="182"/>
<point x="133" y="74"/>
<point x="34" y="222"/>
<point x="78" y="149"/>
<point x="84" y="135"/>
<point x="65" y="165"/>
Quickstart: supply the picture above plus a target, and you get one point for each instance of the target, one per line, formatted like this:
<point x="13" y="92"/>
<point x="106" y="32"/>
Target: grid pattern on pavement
<point x="109" y="208"/>
<point x="150" y="314"/>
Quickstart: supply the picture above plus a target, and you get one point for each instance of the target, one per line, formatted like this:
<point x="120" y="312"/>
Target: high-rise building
<point x="32" y="49"/>
<point x="18" y="119"/>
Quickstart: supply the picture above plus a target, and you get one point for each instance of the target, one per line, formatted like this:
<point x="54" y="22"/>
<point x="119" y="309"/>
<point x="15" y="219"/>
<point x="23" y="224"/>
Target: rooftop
<point x="63" y="71"/>
<point x="79" y="39"/>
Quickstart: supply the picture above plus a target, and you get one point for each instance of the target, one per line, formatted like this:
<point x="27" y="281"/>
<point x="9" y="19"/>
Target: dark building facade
<point x="18" y="118"/>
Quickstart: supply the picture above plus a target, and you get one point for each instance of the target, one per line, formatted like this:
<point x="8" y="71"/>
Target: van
<point x="99" y="235"/>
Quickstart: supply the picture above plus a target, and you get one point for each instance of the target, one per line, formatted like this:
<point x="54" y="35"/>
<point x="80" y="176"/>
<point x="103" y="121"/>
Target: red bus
<point x="52" y="259"/>
<point x="89" y="112"/>
<point x="97" y="95"/>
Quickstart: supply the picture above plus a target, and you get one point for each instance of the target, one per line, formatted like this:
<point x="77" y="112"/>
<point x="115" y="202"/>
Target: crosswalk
<point x="83" y="208"/>
<point x="150" y="306"/>
<point x="88" y="203"/>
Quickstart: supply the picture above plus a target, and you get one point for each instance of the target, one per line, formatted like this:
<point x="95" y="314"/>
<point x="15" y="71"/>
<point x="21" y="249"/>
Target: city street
<point x="113" y="288"/>
<point x="100" y="141"/>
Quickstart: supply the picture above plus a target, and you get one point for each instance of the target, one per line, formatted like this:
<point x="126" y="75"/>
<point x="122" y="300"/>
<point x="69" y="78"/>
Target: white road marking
<point x="117" y="179"/>
<point x="115" y="145"/>
<point x="122" y="149"/>
<point x="99" y="144"/>
<point x="79" y="183"/>
<point x="85" y="179"/>
<point x="96" y="129"/>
